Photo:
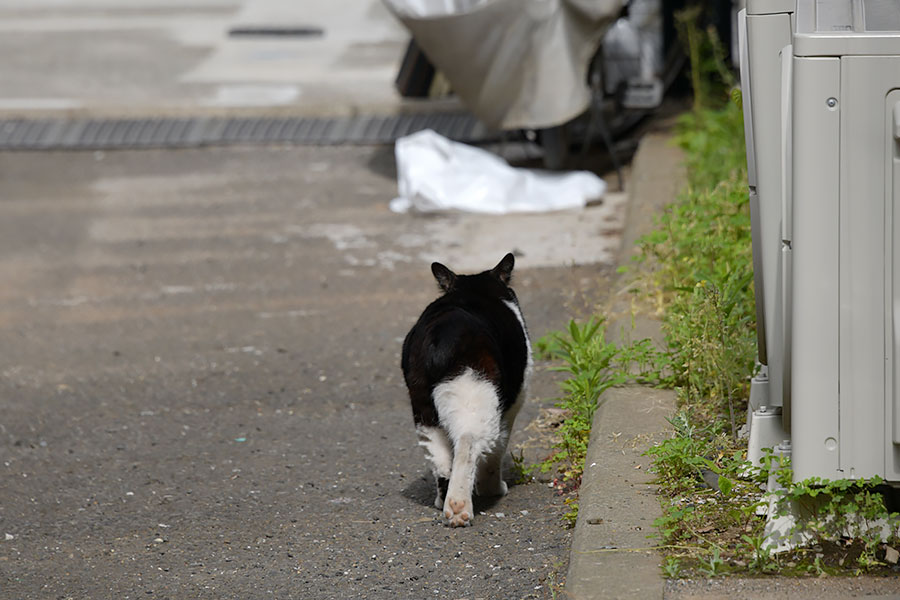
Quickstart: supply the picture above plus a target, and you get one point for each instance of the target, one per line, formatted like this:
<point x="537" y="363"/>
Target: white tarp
<point x="435" y="174"/>
<point x="514" y="63"/>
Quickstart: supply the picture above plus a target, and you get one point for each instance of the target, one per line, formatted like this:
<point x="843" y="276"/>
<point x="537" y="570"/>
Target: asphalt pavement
<point x="200" y="393"/>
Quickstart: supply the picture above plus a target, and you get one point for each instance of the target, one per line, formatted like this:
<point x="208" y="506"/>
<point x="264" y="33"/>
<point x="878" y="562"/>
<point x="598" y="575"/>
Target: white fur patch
<point x="438" y="450"/>
<point x="529" y="364"/>
<point x="468" y="405"/>
<point x="510" y="415"/>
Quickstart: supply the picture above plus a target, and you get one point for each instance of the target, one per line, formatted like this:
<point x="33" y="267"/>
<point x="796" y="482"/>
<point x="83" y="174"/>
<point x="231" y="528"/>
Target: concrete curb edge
<point x="612" y="555"/>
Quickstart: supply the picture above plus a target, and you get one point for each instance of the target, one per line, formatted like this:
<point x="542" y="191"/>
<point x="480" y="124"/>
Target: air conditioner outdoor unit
<point x="821" y="83"/>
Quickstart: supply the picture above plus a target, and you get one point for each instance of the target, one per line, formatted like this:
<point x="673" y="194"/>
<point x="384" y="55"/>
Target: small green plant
<point x="572" y="514"/>
<point x="672" y="567"/>
<point x="520" y="470"/>
<point x="827" y="511"/>
<point x="713" y="565"/>
<point x="554" y="585"/>
<point x="671" y="524"/>
<point x="695" y="454"/>
<point x="593" y="366"/>
<point x="817" y="567"/>
<point x="761" y="553"/>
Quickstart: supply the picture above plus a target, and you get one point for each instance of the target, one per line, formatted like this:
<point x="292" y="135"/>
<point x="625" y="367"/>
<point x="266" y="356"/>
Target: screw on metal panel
<point x="831" y="102"/>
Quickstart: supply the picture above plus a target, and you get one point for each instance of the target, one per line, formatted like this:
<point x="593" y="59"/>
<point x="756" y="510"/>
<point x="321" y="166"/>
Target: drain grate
<point x="269" y="31"/>
<point x="109" y="134"/>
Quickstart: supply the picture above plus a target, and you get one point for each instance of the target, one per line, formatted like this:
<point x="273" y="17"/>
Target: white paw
<point x="458" y="512"/>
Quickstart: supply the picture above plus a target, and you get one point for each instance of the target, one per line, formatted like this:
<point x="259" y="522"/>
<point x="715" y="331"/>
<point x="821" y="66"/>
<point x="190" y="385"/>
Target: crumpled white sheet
<point x="436" y="174"/>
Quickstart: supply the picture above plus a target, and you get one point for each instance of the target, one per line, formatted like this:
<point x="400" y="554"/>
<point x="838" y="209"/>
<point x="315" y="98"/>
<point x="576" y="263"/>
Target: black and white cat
<point x="466" y="363"/>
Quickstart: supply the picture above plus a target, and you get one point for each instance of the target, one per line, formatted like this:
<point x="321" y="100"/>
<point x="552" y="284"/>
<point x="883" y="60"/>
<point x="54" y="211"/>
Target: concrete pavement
<point x="152" y="57"/>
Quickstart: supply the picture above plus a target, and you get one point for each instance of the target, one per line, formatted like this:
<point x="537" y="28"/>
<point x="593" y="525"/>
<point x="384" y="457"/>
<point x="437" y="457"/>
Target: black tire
<point x="555" y="143"/>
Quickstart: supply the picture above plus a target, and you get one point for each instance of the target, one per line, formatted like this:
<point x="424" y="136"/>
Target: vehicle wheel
<point x="555" y="143"/>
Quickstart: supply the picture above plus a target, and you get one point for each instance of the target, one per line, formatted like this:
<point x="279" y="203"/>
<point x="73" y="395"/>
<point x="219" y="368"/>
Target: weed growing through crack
<point x="713" y="564"/>
<point x="672" y="567"/>
<point x="593" y="366"/>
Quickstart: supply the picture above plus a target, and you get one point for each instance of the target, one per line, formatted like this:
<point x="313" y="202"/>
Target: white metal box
<point x="841" y="226"/>
<point x="765" y="29"/>
<point x="821" y="82"/>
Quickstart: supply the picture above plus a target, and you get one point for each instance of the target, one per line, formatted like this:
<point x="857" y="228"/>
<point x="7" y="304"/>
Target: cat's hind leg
<point x="489" y="479"/>
<point x="458" y="509"/>
<point x="439" y="454"/>
<point x="469" y="410"/>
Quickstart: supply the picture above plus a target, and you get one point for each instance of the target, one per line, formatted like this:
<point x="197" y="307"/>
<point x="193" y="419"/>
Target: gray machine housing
<point x="821" y="83"/>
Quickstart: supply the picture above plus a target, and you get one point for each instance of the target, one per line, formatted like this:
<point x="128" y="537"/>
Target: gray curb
<point x="612" y="555"/>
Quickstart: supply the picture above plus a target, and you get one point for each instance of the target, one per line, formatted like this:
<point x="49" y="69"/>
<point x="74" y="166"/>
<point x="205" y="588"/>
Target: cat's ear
<point x="503" y="270"/>
<point x="445" y="277"/>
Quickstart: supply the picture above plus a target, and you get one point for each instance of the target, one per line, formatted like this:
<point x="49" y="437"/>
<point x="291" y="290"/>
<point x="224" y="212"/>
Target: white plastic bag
<point x="437" y="174"/>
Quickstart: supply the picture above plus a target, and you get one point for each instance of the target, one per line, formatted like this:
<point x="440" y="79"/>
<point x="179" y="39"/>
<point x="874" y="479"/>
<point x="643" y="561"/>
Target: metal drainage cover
<point x="106" y="134"/>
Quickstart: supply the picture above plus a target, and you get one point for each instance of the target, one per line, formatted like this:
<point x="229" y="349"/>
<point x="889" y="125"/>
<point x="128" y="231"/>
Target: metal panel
<point x="759" y="285"/>
<point x="865" y="82"/>
<point x="845" y="28"/>
<point x="784" y="317"/>
<point x="892" y="234"/>
<point x="767" y="35"/>
<point x="815" y="255"/>
<point x="746" y="99"/>
<point x="892" y="287"/>
<point x="764" y="7"/>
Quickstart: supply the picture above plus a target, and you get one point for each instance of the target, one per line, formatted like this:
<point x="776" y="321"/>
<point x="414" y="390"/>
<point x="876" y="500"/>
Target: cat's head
<point x="494" y="282"/>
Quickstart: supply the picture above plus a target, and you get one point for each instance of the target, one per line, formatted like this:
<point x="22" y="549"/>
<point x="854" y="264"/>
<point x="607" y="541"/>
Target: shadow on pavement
<point x="421" y="491"/>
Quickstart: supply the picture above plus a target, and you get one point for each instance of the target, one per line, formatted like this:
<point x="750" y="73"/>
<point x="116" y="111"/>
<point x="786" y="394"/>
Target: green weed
<point x="761" y="553"/>
<point x="572" y="514"/>
<point x="672" y="567"/>
<point x="851" y="511"/>
<point x="593" y="366"/>
<point x="713" y="565"/>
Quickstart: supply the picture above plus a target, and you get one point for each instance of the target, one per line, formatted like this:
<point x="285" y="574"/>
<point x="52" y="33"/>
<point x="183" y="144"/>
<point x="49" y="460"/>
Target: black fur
<point x="469" y="326"/>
